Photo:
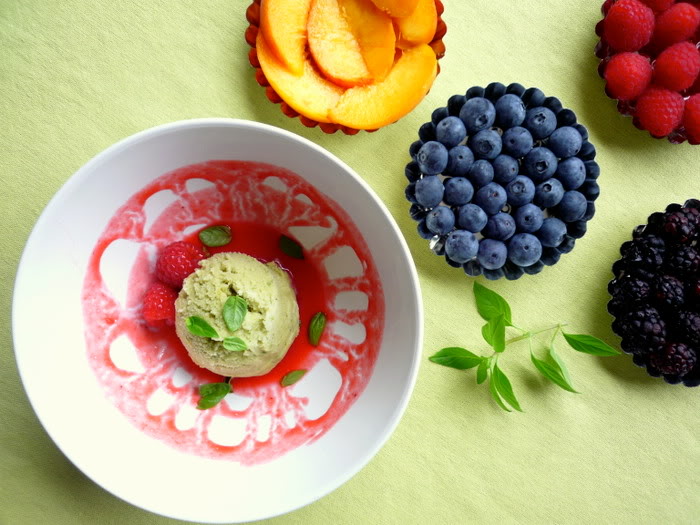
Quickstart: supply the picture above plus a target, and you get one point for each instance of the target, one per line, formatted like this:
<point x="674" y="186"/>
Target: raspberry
<point x="678" y="66"/>
<point x="688" y="327"/>
<point x="629" y="25"/>
<point x="668" y="291"/>
<point x="159" y="306"/>
<point x="659" y="5"/>
<point x="642" y="329"/>
<point x="176" y="261"/>
<point x="676" y="24"/>
<point x="675" y="359"/>
<point x="691" y="119"/>
<point x="681" y="226"/>
<point x="683" y="260"/>
<point x="659" y="111"/>
<point x="627" y="75"/>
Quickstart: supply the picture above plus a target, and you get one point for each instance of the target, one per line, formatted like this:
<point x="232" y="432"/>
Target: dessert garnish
<point x="211" y="394"/>
<point x="215" y="236"/>
<point x="316" y="327"/>
<point x="292" y="377"/>
<point x="291" y="247"/>
<point x="495" y="310"/>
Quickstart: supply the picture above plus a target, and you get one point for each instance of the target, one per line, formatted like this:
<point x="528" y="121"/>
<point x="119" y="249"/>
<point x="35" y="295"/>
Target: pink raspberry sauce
<point x="259" y="202"/>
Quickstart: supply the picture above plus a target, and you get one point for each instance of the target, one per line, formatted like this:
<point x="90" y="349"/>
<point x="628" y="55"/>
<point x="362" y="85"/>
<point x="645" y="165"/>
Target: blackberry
<point x="683" y="260"/>
<point x="681" y="226"/>
<point x="643" y="255"/>
<point x="628" y="292"/>
<point x="668" y="291"/>
<point x="644" y="329"/>
<point x="692" y="291"/>
<point x="687" y="325"/>
<point x="675" y="359"/>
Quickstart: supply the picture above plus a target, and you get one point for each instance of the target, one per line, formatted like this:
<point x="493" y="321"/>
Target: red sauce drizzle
<point x="257" y="214"/>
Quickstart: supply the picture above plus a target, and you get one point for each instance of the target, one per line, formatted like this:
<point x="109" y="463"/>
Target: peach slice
<point x="310" y="94"/>
<point x="376" y="105"/>
<point x="375" y="34"/>
<point x="396" y="7"/>
<point x="418" y="27"/>
<point x="283" y="23"/>
<point x="333" y="45"/>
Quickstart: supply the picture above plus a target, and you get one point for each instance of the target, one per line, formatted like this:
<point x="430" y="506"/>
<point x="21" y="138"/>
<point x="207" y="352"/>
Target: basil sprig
<point x="215" y="236"/>
<point x="316" y="327"/>
<point x="211" y="394"/>
<point x="292" y="377"/>
<point x="496" y="311"/>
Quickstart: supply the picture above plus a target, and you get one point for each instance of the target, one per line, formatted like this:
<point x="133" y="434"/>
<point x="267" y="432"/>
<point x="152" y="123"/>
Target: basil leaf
<point x="291" y="247"/>
<point x="489" y="304"/>
<point x="589" y="345"/>
<point x="552" y="372"/>
<point x="215" y="236"/>
<point x="316" y="327"/>
<point x="455" y="357"/>
<point x="496" y="396"/>
<point x="504" y="388"/>
<point x="234" y="311"/>
<point x="482" y="372"/>
<point x="235" y="344"/>
<point x="198" y="326"/>
<point x="292" y="377"/>
<point x="211" y="394"/>
<point x="494" y="333"/>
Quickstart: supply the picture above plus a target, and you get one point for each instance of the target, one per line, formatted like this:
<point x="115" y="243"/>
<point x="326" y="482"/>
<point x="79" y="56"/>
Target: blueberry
<point x="505" y="169"/>
<point x="534" y="269"/>
<point x="517" y="142"/>
<point x="429" y="191"/>
<point x="528" y="218"/>
<point x="540" y="164"/>
<point x="493" y="275"/>
<point x="455" y="103"/>
<point x="549" y="193"/>
<point x="491" y="198"/>
<point x="500" y="227"/>
<point x="438" y="115"/>
<point x="474" y="91"/>
<point x="423" y="230"/>
<point x="481" y="173"/>
<point x="550" y="256"/>
<point x="452" y="263"/>
<point x="461" y="246"/>
<point x="459" y="161"/>
<point x="477" y="114"/>
<point x="524" y="249"/>
<point x="533" y="97"/>
<point x="410" y="193"/>
<point x="458" y="191"/>
<point x="552" y="232"/>
<point x="417" y="212"/>
<point x="472" y="268"/>
<point x="565" y="142"/>
<point x="440" y="220"/>
<point x="571" y="173"/>
<point x="450" y="131"/>
<point x="432" y="158"/>
<point x="520" y="191"/>
<point x="567" y="244"/>
<point x="553" y="104"/>
<point x="492" y="254"/>
<point x="577" y="229"/>
<point x="587" y="151"/>
<point x="581" y="130"/>
<point x="590" y="211"/>
<point x="572" y="206"/>
<point x="516" y="89"/>
<point x="414" y="148"/>
<point x="590" y="189"/>
<point x="486" y="144"/>
<point x="541" y="122"/>
<point x="512" y="271"/>
<point x="412" y="171"/>
<point x="510" y="111"/>
<point x="427" y="132"/>
<point x="592" y="169"/>
<point x="471" y="218"/>
<point x="494" y="91"/>
<point x="566" y="117"/>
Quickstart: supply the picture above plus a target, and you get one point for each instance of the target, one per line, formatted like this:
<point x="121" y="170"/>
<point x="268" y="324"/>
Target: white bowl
<point x="83" y="418"/>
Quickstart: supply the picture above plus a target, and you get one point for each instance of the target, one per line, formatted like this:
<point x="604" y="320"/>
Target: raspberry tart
<point x="655" y="295"/>
<point x="502" y="181"/>
<point x="651" y="64"/>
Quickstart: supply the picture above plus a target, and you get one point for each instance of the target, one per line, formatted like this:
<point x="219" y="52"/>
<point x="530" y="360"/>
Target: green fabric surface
<point x="77" y="76"/>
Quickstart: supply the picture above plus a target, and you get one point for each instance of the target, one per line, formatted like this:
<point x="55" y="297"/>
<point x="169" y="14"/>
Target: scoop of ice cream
<point x="269" y="327"/>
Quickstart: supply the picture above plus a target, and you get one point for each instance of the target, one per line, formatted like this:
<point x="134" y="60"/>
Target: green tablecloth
<point x="76" y="76"/>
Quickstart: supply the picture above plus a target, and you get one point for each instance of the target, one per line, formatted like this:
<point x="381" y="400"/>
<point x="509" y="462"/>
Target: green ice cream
<point x="269" y="327"/>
